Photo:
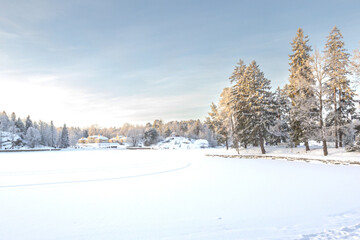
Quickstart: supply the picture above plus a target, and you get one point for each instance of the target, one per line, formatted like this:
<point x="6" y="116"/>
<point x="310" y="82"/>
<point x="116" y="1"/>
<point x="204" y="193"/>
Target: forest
<point x="319" y="102"/>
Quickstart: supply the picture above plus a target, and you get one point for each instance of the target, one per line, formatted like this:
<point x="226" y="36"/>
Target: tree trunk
<point x="322" y="125"/>
<point x="340" y="123"/>
<point x="261" y="140"/>
<point x="227" y="143"/>
<point x="325" y="148"/>
<point x="340" y="139"/>
<point x="335" y="121"/>
<point x="307" y="148"/>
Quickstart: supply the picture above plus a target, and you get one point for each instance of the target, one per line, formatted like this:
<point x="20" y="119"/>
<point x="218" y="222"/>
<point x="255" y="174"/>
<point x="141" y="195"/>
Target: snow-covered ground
<point x="181" y="194"/>
<point x="182" y="143"/>
<point x="315" y="152"/>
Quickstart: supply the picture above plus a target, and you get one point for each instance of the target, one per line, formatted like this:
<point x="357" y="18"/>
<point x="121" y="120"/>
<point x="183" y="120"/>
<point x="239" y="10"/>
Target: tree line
<point x="40" y="133"/>
<point x="32" y="133"/>
<point x="318" y="103"/>
<point x="151" y="133"/>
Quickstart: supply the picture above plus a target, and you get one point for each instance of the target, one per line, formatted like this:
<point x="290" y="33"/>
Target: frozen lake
<point x="148" y="194"/>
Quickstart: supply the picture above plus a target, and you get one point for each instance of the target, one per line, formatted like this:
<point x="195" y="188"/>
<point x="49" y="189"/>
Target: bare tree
<point x="135" y="135"/>
<point x="318" y="69"/>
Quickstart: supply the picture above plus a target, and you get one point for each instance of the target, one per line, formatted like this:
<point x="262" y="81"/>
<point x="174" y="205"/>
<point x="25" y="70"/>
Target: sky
<point x="110" y="62"/>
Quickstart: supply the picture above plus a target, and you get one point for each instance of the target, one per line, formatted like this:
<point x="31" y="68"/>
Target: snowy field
<point x="174" y="194"/>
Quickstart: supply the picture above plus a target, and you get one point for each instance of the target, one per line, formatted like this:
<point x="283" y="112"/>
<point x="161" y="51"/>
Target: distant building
<point x="98" y="141"/>
<point x="82" y="140"/>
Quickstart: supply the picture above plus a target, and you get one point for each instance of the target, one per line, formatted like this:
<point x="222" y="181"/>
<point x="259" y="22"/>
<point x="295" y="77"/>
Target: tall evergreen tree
<point x="226" y="114"/>
<point x="20" y="125"/>
<point x="238" y="100"/>
<point x="301" y="90"/>
<point x="52" y="134"/>
<point x="13" y="117"/>
<point x="254" y="108"/>
<point x="217" y="125"/>
<point x="4" y="119"/>
<point x="64" y="140"/>
<point x="28" y="123"/>
<point x="281" y="128"/>
<point x="339" y="92"/>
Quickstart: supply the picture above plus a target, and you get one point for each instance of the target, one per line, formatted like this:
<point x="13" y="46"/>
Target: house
<point x="82" y="140"/>
<point x="97" y="139"/>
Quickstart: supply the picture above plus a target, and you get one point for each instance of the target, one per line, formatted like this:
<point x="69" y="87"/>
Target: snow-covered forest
<point x="319" y="103"/>
<point x="16" y="132"/>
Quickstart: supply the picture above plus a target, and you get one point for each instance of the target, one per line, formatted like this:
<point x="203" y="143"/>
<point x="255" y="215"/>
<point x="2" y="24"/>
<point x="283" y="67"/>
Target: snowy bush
<point x="32" y="137"/>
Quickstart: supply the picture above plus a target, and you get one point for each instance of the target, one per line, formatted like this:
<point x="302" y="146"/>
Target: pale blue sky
<point x="110" y="62"/>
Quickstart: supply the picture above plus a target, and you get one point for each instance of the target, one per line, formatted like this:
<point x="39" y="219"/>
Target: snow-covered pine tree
<point x="238" y="71"/>
<point x="339" y="92"/>
<point x="217" y="124"/>
<point x="262" y="107"/>
<point x="213" y="121"/>
<point x="64" y="141"/>
<point x="226" y="115"/>
<point x="13" y="117"/>
<point x="53" y="134"/>
<point x="151" y="136"/>
<point x="28" y="123"/>
<point x="20" y="125"/>
<point x="239" y="98"/>
<point x="4" y="119"/>
<point x="85" y="133"/>
<point x="281" y="129"/>
<point x="355" y="65"/>
<point x="301" y="91"/>
<point x="254" y="106"/>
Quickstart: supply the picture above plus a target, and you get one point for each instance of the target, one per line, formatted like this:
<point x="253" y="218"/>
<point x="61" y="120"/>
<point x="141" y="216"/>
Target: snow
<point x="182" y="143"/>
<point x="183" y="194"/>
<point x="7" y="139"/>
<point x="101" y="145"/>
<point x="315" y="152"/>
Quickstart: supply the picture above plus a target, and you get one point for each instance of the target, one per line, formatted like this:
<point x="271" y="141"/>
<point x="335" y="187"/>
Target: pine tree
<point x="20" y="125"/>
<point x="4" y="119"/>
<point x="52" y="134"/>
<point x="281" y="128"/>
<point x="301" y="90"/>
<point x="216" y="124"/>
<point x="339" y="92"/>
<point x="13" y="117"/>
<point x="226" y="114"/>
<point x="150" y="136"/>
<point x="238" y="101"/>
<point x="85" y="133"/>
<point x="254" y="107"/>
<point x="355" y="64"/>
<point x="64" y="141"/>
<point x="28" y="123"/>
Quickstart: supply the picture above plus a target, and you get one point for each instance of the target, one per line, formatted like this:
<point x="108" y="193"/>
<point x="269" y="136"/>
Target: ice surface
<point x="182" y="194"/>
